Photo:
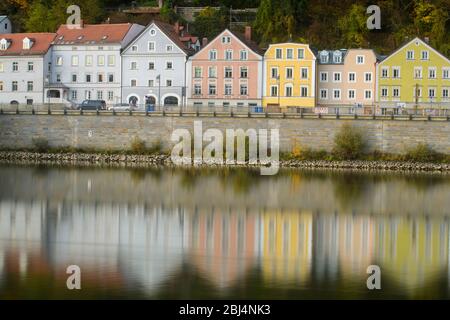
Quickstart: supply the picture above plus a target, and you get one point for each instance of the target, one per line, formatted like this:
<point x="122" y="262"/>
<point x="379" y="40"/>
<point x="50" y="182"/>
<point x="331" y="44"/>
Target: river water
<point x="222" y="233"/>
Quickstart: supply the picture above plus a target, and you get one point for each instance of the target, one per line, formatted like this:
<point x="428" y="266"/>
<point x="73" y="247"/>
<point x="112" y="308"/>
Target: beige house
<point x="346" y="81"/>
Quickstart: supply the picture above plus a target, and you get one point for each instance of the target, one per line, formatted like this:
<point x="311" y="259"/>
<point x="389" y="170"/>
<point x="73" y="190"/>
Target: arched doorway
<point x="171" y="101"/>
<point x="133" y="101"/>
<point x="14" y="103"/>
<point x="150" y="100"/>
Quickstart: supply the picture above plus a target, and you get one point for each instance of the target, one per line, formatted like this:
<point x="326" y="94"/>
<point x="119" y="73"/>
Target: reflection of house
<point x="222" y="244"/>
<point x="286" y="246"/>
<point x="412" y="251"/>
<point x="326" y="245"/>
<point x="23" y="66"/>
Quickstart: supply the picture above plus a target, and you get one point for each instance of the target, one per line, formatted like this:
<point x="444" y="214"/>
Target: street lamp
<point x="158" y="78"/>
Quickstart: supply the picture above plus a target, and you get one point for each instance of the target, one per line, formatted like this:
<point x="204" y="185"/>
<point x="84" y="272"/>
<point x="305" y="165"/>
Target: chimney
<point x="204" y="42"/>
<point x="177" y="27"/>
<point x="248" y="33"/>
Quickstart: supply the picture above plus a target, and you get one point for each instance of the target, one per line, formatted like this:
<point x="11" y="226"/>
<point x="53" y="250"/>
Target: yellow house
<point x="289" y="77"/>
<point x="415" y="75"/>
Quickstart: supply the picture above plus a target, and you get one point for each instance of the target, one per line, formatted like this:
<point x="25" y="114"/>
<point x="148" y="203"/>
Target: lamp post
<point x="158" y="78"/>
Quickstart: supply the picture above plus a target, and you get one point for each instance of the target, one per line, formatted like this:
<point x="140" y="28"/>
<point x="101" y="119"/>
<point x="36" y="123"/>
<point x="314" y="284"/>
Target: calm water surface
<point x="173" y="233"/>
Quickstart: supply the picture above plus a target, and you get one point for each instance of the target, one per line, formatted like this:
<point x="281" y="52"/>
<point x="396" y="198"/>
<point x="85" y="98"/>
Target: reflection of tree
<point x="349" y="187"/>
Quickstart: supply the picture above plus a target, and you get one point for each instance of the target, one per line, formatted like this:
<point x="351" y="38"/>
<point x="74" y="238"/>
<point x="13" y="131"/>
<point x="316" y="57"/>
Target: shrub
<point x="137" y="146"/>
<point x="156" y="147"/>
<point x="348" y="143"/>
<point x="40" y="144"/>
<point x="421" y="153"/>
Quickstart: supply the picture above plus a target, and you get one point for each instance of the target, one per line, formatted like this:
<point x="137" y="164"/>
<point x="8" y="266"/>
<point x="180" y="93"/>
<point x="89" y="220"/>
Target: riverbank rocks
<point x="23" y="157"/>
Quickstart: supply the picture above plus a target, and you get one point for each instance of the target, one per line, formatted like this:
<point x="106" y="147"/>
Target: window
<point x="133" y="65"/>
<point x="288" y="91"/>
<point x="424" y="55"/>
<point x="243" y="55"/>
<point x="289" y="73"/>
<point x="337" y="57"/>
<point x="87" y="95"/>
<point x="212" y="72"/>
<point x="134" y="48"/>
<point x="226" y="39"/>
<point x="212" y="55"/>
<point x="445" y="93"/>
<point x="432" y="73"/>
<point x="229" y="55"/>
<point x="74" y="77"/>
<point x="228" y="90"/>
<point x="337" y="76"/>
<point x="100" y="60"/>
<point x="168" y="83"/>
<point x="152" y="32"/>
<point x="74" y="61"/>
<point x="228" y="72"/>
<point x="244" y="90"/>
<point x="15" y="66"/>
<point x="396" y="92"/>
<point x="74" y="94"/>
<point x="301" y="53"/>
<point x="304" y="91"/>
<point x="59" y="61"/>
<point x="30" y="86"/>
<point x="323" y="94"/>
<point x="274" y="73"/>
<point x="274" y="91"/>
<point x="324" y="77"/>
<point x="431" y="92"/>
<point x="351" y="94"/>
<point x="368" y="94"/>
<point x="384" y="92"/>
<point x="304" y="74"/>
<point x="417" y="92"/>
<point x="30" y="66"/>
<point x="418" y="73"/>
<point x="359" y="59"/>
<point x="211" y="104"/>
<point x="384" y="72"/>
<point x="110" y="77"/>
<point x="88" y="61"/>
<point x="352" y="77"/>
<point x="169" y="48"/>
<point x="88" y="78"/>
<point x="396" y="72"/>
<point x="445" y="73"/>
<point x="197" y="89"/>
<point x="151" y="46"/>
<point x="279" y="54"/>
<point x="225" y="104"/>
<point x="337" y="94"/>
<point x="133" y="82"/>
<point x="14" y="86"/>
<point x="212" y="89"/>
<point x="244" y="72"/>
<point x="289" y="54"/>
<point x="410" y="55"/>
<point x="100" y="77"/>
<point x="110" y="95"/>
<point x="151" y="83"/>
<point x="368" y="77"/>
<point x="197" y="72"/>
<point x="111" y="60"/>
<point x="99" y="95"/>
<point x="324" y="57"/>
<point x="151" y="65"/>
<point x="169" y="65"/>
<point x="58" y="77"/>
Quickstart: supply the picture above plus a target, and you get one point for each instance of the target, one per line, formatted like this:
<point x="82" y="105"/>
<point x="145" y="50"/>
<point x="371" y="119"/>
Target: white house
<point x="5" y="25"/>
<point x="86" y="62"/>
<point x="23" y="67"/>
<point x="153" y="67"/>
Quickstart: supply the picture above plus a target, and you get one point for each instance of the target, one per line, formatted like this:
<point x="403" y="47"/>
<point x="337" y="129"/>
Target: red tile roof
<point x="42" y="42"/>
<point x="93" y="33"/>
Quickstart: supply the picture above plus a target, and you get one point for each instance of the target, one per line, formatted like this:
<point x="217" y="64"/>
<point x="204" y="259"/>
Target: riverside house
<point x="346" y="80"/>
<point x="289" y="77"/>
<point x="23" y="67"/>
<point x="415" y="75"/>
<point x="154" y="66"/>
<point x="86" y="63"/>
<point x="226" y="72"/>
<point x="5" y="25"/>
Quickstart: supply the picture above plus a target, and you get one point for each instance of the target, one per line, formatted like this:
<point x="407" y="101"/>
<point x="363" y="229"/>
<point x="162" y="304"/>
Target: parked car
<point x="123" y="107"/>
<point x="92" y="105"/>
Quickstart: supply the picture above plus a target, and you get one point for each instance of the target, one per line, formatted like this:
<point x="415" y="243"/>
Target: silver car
<point x="122" y="107"/>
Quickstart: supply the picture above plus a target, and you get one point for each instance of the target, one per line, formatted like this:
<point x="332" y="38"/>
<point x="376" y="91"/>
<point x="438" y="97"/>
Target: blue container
<point x="258" y="109"/>
<point x="150" y="107"/>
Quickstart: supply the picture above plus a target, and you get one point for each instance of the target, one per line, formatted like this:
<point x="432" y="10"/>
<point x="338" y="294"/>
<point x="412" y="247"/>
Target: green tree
<point x="353" y="27"/>
<point x="210" y="22"/>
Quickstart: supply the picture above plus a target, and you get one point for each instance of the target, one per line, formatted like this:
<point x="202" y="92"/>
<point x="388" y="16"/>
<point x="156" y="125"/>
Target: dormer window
<point x="4" y="44"/>
<point x="27" y="44"/>
<point x="324" y="57"/>
<point x="337" y="57"/>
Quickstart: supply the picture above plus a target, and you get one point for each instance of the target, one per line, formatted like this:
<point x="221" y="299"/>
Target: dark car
<point x="92" y="105"/>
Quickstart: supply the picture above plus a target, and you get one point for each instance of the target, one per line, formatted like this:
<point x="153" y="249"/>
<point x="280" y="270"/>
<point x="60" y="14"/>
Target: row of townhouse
<point x="162" y="64"/>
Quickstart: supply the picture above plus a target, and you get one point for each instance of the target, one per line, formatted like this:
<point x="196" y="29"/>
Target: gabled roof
<point x="41" y="43"/>
<point x="2" y="18"/>
<point x="168" y="30"/>
<point x="93" y="34"/>
<point x="413" y="40"/>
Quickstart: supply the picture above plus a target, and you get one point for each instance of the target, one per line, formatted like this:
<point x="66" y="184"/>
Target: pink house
<point x="226" y="72"/>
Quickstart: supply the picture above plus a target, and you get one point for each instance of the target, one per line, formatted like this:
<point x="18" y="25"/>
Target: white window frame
<point x="365" y="77"/>
<point x="326" y="94"/>
<point x="340" y="94"/>
<point x="326" y="76"/>
<point x="340" y="77"/>
<point x="354" y="78"/>
<point x="354" y="94"/>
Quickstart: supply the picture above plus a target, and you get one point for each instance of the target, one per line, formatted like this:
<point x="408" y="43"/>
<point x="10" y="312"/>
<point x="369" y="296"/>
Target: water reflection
<point x="141" y="249"/>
